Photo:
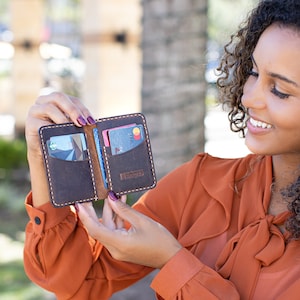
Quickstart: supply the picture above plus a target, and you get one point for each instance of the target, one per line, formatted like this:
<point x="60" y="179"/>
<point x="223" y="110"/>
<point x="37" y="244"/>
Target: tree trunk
<point x="173" y="87"/>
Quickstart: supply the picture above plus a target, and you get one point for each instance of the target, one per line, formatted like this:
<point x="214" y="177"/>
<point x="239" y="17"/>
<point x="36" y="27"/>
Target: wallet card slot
<point x="130" y="171"/>
<point x="73" y="188"/>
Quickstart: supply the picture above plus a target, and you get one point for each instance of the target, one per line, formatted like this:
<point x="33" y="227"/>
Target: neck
<point x="286" y="172"/>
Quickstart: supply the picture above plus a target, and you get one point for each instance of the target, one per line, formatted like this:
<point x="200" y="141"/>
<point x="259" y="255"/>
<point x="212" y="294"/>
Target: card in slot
<point x="100" y="156"/>
<point x="123" y="139"/>
<point x="71" y="147"/>
<point x="106" y="136"/>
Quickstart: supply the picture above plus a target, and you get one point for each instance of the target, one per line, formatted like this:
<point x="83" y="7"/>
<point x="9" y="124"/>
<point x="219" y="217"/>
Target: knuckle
<point x="57" y="96"/>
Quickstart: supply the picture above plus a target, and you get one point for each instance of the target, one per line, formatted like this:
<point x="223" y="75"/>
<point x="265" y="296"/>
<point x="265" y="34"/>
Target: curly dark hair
<point x="234" y="71"/>
<point x="292" y="195"/>
<point x="236" y="62"/>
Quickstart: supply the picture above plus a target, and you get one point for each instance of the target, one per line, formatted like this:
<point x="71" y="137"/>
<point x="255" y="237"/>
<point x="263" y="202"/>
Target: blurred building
<point x="98" y="51"/>
<point x="87" y="48"/>
<point x="111" y="32"/>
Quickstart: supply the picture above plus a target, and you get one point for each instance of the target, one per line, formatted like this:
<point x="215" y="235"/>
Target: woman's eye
<point x="253" y="73"/>
<point x="279" y="94"/>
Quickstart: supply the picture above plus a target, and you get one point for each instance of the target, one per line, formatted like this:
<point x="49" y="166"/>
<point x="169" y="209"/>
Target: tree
<point x="173" y="91"/>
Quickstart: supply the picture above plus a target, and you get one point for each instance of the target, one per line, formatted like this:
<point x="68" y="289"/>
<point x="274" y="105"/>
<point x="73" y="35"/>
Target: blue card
<point x="123" y="139"/>
<point x="100" y="156"/>
<point x="70" y="147"/>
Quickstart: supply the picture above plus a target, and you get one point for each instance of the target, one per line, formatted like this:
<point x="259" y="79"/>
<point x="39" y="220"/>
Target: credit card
<point x="70" y="147"/>
<point x="105" y="133"/>
<point x="100" y="156"/>
<point x="123" y="139"/>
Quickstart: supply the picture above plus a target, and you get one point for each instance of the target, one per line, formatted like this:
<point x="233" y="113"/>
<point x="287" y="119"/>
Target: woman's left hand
<point x="146" y="242"/>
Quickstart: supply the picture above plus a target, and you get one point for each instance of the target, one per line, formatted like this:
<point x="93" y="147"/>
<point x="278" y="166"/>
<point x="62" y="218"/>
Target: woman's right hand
<point x="50" y="109"/>
<point x="53" y="109"/>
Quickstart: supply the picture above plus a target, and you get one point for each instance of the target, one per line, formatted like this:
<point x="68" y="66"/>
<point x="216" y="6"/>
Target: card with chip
<point x="70" y="147"/>
<point x="123" y="139"/>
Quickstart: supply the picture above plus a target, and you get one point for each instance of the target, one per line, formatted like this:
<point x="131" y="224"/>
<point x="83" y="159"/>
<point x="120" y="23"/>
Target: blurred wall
<point x="27" y="18"/>
<point x="158" y="56"/>
<point x="110" y="46"/>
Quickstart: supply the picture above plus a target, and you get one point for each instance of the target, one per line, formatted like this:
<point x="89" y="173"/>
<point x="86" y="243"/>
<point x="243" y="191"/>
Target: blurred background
<point x="157" y="57"/>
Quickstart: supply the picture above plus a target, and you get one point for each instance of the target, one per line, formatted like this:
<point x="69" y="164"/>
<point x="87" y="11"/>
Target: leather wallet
<point x="85" y="163"/>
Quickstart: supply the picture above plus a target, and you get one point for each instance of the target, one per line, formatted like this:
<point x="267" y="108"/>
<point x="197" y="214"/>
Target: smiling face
<point x="272" y="93"/>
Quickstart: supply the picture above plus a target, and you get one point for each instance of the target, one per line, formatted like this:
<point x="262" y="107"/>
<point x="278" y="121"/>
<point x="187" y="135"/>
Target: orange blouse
<point x="216" y="208"/>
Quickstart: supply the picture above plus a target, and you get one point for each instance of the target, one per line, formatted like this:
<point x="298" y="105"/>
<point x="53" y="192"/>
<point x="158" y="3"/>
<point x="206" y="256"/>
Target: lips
<point x="259" y="124"/>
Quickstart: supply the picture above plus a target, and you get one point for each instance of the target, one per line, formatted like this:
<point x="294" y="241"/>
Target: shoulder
<point x="206" y="170"/>
<point x="206" y="163"/>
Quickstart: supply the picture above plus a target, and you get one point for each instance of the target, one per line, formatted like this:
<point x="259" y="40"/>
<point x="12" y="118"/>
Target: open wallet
<point x="85" y="163"/>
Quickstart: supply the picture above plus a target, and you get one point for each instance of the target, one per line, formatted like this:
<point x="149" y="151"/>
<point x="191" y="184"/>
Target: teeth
<point x="260" y="124"/>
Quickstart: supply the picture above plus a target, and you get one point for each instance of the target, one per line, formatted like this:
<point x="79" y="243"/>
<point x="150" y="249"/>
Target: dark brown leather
<point x="81" y="181"/>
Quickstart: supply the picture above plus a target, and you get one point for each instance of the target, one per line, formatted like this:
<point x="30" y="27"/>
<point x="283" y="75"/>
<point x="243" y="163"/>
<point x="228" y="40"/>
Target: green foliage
<point x="12" y="154"/>
<point x="11" y="200"/>
<point x="4" y="12"/>
<point x="15" y="285"/>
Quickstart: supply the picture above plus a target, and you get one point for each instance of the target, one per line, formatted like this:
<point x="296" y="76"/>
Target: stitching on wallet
<point x="149" y="151"/>
<point x="106" y="159"/>
<point x="48" y="168"/>
<point x="47" y="165"/>
<point x="108" y="175"/>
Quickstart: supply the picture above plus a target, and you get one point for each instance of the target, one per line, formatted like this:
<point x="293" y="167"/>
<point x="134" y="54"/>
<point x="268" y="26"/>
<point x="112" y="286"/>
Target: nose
<point x="253" y="95"/>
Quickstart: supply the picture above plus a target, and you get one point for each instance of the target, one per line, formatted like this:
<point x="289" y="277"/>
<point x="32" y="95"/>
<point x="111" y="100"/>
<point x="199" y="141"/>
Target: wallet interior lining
<point x="95" y="166"/>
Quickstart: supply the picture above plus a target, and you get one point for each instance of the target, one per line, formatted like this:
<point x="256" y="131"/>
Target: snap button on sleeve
<point x="37" y="220"/>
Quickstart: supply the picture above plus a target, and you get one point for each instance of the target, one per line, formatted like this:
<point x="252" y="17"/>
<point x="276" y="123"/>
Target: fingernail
<point x="91" y="120"/>
<point x="113" y="196"/>
<point x="82" y="121"/>
<point x="76" y="207"/>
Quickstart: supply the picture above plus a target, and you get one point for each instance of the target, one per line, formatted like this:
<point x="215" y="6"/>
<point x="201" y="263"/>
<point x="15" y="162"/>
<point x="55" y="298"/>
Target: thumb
<point x="89" y="219"/>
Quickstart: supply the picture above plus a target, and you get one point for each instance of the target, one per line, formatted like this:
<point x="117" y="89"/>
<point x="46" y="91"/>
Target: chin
<point x="258" y="149"/>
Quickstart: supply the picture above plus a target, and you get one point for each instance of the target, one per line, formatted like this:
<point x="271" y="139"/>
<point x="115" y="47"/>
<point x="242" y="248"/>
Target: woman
<point x="215" y="228"/>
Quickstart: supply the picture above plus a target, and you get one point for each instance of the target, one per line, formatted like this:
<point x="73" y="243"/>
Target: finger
<point x="84" y="110"/>
<point x="69" y="107"/>
<point x="118" y="220"/>
<point x="126" y="213"/>
<point x="109" y="218"/>
<point x="95" y="228"/>
<point x="46" y="113"/>
<point x="88" y="217"/>
<point x="108" y="215"/>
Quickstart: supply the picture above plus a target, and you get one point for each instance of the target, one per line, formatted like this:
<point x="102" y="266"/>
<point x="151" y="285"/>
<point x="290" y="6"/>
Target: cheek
<point x="283" y="115"/>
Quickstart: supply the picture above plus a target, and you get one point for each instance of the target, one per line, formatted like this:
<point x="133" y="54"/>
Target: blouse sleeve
<point x="185" y="277"/>
<point x="60" y="257"/>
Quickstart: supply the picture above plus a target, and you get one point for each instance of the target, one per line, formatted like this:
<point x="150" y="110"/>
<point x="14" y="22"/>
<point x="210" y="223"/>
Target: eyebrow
<point x="278" y="76"/>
